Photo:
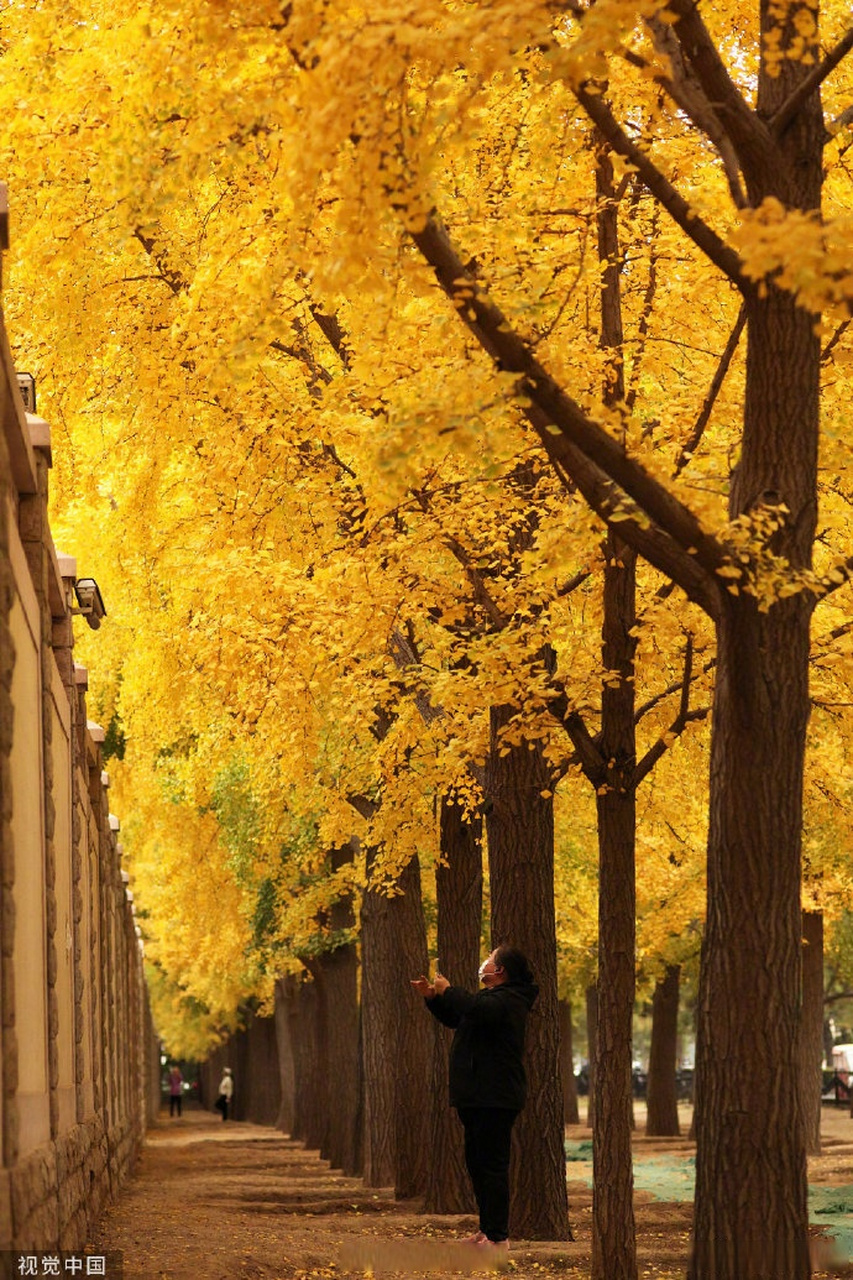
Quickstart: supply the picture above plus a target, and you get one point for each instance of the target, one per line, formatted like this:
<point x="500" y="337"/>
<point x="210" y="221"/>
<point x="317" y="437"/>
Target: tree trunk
<point x="415" y="1101"/>
<point x="313" y="998"/>
<point x="459" y="900"/>
<point x="811" y="1039"/>
<point x="260" y="1085"/>
<point x="591" y="1050"/>
<point x="662" y="1097"/>
<point x="520" y="836"/>
<point x="379" y="1033"/>
<point x="337" y="978"/>
<point x="284" y="995"/>
<point x="307" y="1124"/>
<point x="396" y="1038"/>
<point x="567" y="1066"/>
<point x="751" y="1168"/>
<point x="614" y="1252"/>
<point x="751" y="1221"/>
<point x="342" y="1146"/>
<point x="614" y="1247"/>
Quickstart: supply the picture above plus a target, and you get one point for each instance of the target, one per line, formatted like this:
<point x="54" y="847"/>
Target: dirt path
<point x="214" y="1201"/>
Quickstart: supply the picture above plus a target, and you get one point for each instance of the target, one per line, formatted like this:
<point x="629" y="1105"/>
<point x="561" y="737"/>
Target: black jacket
<point x="486" y="1056"/>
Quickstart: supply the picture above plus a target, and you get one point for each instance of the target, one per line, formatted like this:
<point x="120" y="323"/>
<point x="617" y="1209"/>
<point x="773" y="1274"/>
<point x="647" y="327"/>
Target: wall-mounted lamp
<point x="90" y="600"/>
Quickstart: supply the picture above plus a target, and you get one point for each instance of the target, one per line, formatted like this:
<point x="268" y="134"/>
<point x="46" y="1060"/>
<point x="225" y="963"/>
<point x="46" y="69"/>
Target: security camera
<point x="90" y="601"/>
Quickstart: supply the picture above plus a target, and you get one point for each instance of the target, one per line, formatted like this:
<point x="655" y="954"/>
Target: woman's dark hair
<point x="514" y="963"/>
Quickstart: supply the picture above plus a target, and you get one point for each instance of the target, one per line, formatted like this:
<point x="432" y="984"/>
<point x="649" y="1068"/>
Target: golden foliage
<point x="327" y="540"/>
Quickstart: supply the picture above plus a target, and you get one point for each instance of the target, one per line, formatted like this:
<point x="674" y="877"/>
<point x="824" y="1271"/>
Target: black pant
<point x="174" y="1103"/>
<point x="488" y="1131"/>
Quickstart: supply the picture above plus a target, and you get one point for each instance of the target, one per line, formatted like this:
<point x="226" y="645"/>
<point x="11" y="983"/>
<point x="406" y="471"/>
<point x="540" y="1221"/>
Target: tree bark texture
<point x="614" y="1254"/>
<point x="567" y="1066"/>
<point x="751" y="1220"/>
<point x="751" y="1185"/>
<point x="396" y="1038"/>
<point x="339" y="966"/>
<point x="591" y="1049"/>
<point x="283" y="999"/>
<point x="520" y="837"/>
<point x="811" y="1038"/>
<point x="260" y="1082"/>
<point x="379" y="1033"/>
<point x="614" y="1249"/>
<point x="662" y="1097"/>
<point x="459" y="900"/>
<point x="309" y="1093"/>
<point x="415" y="1101"/>
<point x="313" y="998"/>
<point x="336" y="975"/>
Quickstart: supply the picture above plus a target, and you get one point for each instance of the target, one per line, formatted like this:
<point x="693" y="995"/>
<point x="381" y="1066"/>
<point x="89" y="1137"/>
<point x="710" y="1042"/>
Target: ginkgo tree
<point x="371" y="118"/>
<point x="754" y="574"/>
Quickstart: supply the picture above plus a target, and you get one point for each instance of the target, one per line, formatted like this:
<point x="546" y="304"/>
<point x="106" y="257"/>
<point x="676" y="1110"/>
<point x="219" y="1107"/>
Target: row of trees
<point x="385" y="570"/>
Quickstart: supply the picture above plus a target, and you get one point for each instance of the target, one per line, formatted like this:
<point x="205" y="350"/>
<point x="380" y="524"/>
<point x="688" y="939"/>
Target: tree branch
<point x="748" y="133"/>
<point x="838" y="995"/>
<point x="169" y="275"/>
<point x="587" y="752"/>
<point x="691" y="444"/>
<point x="333" y="331"/>
<point x="674" y="687"/>
<point x="363" y="806"/>
<point x="840" y="122"/>
<point x="679" y="724"/>
<point x="830" y="582"/>
<point x="706" y="239"/>
<point x="481" y="595"/>
<point x="578" y="447"/>
<point x="571" y="584"/>
<point x="834" y="340"/>
<point x="645" y="314"/>
<point x="687" y="94"/>
<point x="612" y="506"/>
<point x="810" y="84"/>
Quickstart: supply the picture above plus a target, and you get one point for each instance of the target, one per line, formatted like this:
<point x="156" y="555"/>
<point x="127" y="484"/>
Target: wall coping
<point x="14" y="421"/>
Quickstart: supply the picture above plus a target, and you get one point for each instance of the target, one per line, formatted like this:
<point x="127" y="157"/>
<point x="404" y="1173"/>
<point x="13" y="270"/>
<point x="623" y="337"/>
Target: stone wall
<point x="75" y="1037"/>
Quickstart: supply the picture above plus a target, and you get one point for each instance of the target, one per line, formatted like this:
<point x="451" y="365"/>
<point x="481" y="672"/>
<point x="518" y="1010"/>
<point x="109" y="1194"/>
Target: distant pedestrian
<point x="226" y="1092"/>
<point x="176" y="1090"/>
<point x="488" y="1085"/>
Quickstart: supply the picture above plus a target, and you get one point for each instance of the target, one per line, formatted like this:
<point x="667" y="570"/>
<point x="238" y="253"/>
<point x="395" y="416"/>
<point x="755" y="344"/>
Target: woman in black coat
<point x="488" y="1085"/>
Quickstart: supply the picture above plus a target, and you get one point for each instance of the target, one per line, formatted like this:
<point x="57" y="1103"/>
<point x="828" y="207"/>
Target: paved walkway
<point x="235" y="1201"/>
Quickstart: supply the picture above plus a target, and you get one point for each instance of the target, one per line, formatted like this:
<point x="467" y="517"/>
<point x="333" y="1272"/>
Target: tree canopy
<point x="335" y="526"/>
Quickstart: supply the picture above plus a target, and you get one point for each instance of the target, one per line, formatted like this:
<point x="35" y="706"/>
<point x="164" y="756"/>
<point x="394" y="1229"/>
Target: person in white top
<point x="226" y="1093"/>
